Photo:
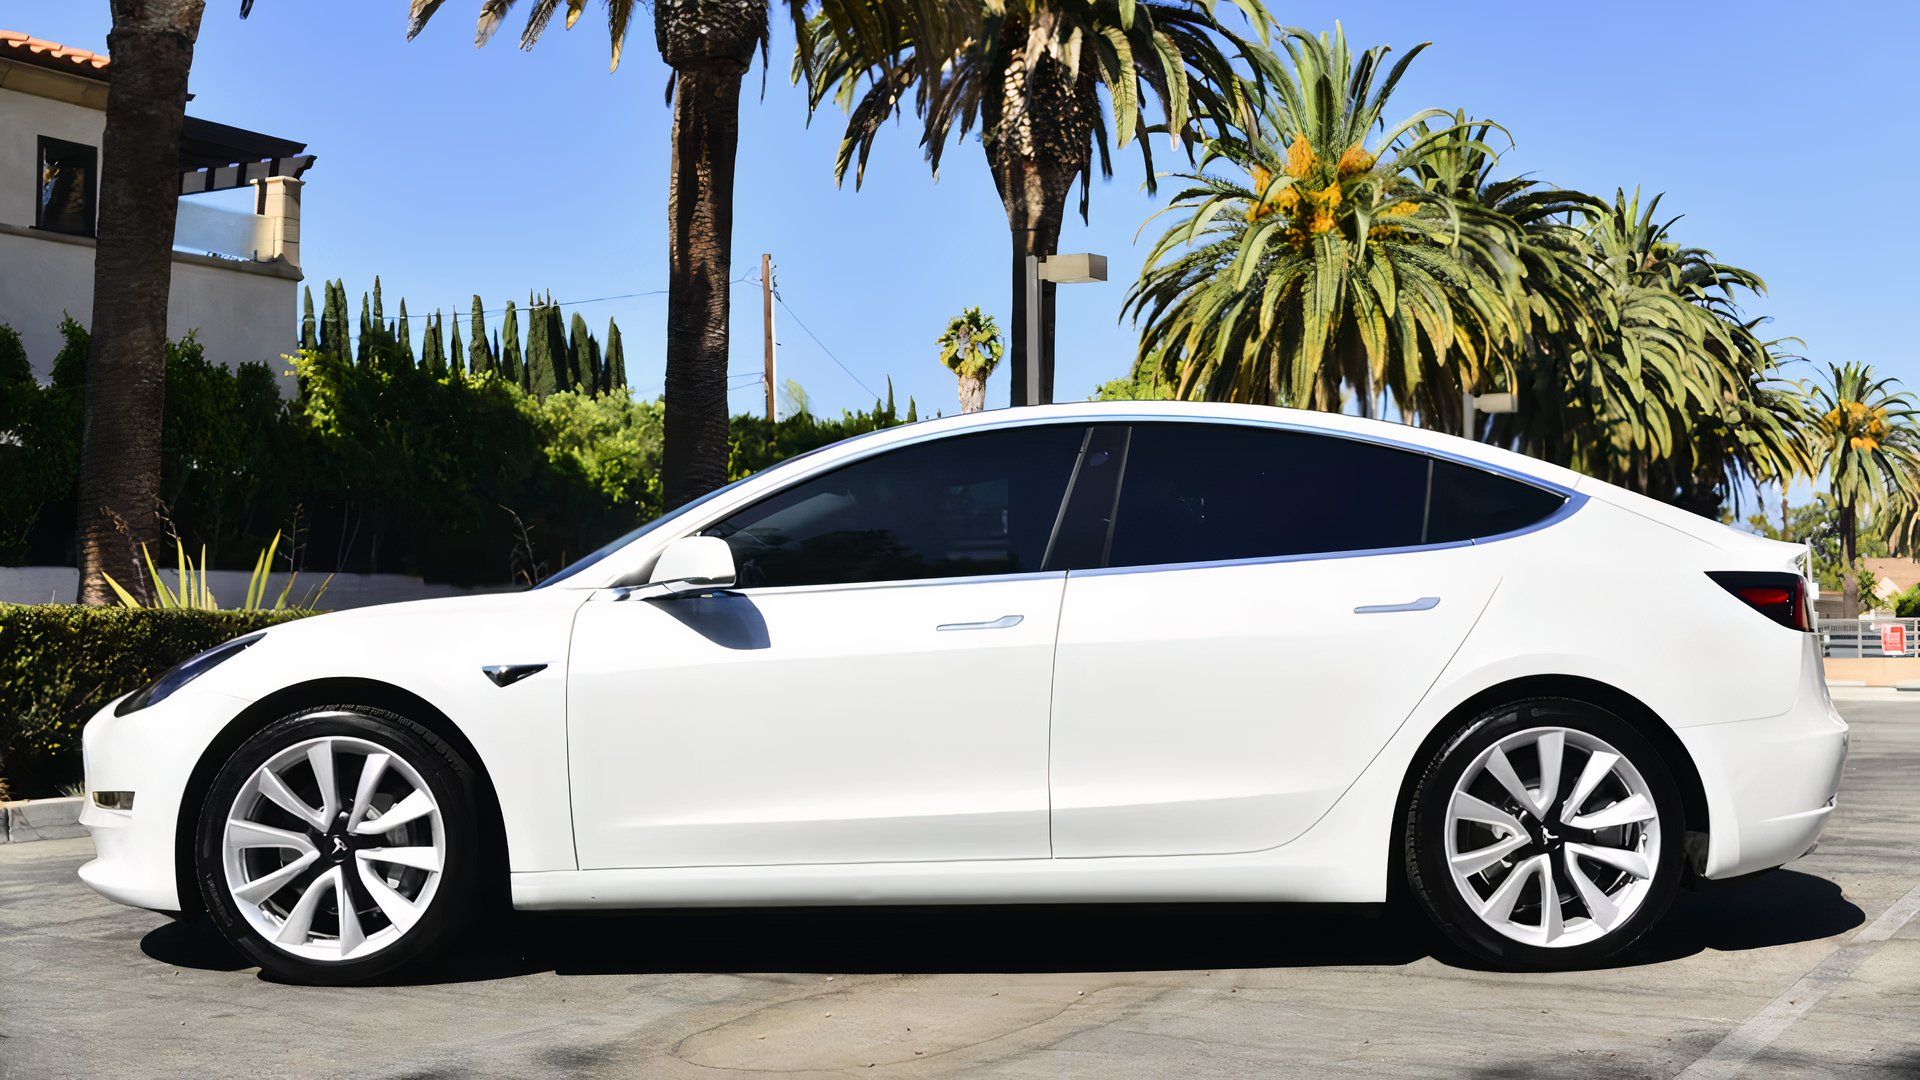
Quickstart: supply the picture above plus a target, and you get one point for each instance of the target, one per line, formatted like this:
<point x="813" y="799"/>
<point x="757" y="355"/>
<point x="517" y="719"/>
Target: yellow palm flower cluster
<point x="1354" y="162"/>
<point x="1864" y="428"/>
<point x="1397" y="210"/>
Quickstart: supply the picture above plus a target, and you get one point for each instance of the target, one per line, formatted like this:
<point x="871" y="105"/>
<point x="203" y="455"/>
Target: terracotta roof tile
<point x="33" y="50"/>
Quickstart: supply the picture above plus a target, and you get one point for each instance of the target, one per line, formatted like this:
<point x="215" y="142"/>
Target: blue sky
<point x="451" y="170"/>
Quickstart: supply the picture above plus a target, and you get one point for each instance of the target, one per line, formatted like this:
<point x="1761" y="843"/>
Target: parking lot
<point x="1810" y="971"/>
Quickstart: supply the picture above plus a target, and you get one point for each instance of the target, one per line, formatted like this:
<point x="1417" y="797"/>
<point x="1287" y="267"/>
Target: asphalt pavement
<point x="1813" y="970"/>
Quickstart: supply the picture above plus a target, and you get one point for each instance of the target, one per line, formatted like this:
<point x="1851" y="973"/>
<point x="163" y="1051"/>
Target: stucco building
<point x="236" y="275"/>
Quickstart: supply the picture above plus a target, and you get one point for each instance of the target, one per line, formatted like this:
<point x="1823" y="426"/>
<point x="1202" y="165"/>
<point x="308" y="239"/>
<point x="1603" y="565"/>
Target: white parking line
<point x="1747" y="1041"/>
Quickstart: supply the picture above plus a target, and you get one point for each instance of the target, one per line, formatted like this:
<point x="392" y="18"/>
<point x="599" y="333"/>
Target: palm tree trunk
<point x="706" y="138"/>
<point x="973" y="393"/>
<point x="119" y="489"/>
<point x="1849" y="580"/>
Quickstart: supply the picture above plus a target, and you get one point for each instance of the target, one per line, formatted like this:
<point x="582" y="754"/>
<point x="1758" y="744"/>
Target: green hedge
<point x="61" y="662"/>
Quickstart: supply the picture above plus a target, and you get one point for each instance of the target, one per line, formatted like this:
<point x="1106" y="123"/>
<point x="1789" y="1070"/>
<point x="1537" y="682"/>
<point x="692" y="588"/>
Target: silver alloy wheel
<point x="333" y="848"/>
<point x="1552" y="837"/>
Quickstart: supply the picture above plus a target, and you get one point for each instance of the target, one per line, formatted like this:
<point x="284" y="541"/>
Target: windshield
<point x="602" y="552"/>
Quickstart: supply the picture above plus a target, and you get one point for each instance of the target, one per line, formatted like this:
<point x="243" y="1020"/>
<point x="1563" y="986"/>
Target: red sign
<point x="1893" y="639"/>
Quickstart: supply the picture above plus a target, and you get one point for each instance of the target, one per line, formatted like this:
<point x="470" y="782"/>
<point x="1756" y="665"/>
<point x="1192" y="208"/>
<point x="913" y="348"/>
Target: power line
<point x="823" y="345"/>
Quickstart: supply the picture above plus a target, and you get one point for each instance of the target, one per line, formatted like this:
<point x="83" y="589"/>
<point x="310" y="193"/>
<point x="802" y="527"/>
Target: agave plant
<point x="1869" y="451"/>
<point x="193" y="587"/>
<point x="1308" y="257"/>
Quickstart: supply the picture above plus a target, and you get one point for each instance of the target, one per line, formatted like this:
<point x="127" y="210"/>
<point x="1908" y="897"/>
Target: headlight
<point x="183" y="673"/>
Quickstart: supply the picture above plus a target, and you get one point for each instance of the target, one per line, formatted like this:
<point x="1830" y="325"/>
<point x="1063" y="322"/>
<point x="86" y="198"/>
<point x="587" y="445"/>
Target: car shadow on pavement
<point x="1774" y="909"/>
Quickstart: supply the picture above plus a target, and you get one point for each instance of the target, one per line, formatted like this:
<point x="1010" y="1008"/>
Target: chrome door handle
<point x="1425" y="603"/>
<point x="1001" y="623"/>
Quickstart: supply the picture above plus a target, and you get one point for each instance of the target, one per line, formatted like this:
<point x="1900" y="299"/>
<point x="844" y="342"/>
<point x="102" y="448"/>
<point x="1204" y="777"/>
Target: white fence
<point x="1869" y="637"/>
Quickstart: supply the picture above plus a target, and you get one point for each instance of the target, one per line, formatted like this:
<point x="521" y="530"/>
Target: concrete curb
<point x="40" y="819"/>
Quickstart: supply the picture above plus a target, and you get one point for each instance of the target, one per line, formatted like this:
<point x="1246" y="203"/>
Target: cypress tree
<point x="892" y="416"/>
<point x="456" y="354"/>
<point x="581" y="358"/>
<point x="913" y="413"/>
<point x="330" y="342"/>
<point x="542" y="377"/>
<point x="405" y="335"/>
<point x="366" y="333"/>
<point x="379" y="313"/>
<point x="309" y="327"/>
<point x="616" y="359"/>
<point x="511" y="363"/>
<point x="597" y="363"/>
<point x="479" y="360"/>
<point x="431" y="356"/>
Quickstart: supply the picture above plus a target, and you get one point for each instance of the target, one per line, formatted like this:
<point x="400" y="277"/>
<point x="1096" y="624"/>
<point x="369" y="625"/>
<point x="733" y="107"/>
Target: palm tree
<point x="151" y="45"/>
<point x="1030" y="79"/>
<point x="1869" y="450"/>
<point x="971" y="349"/>
<point x="1307" y="262"/>
<point x="1652" y="378"/>
<point x="709" y="45"/>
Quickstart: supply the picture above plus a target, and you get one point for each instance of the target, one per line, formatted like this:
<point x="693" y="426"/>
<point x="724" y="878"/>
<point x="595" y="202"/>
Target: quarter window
<point x="960" y="506"/>
<point x="1470" y="503"/>
<point x="63" y="201"/>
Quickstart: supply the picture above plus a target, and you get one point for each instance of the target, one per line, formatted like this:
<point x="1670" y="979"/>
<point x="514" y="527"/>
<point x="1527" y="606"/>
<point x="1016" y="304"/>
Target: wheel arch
<point x="1673" y="753"/>
<point x="332" y="691"/>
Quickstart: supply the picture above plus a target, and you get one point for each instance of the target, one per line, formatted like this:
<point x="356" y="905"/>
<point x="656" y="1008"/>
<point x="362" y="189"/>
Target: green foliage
<point x="59" y="663"/>
<point x="616" y="359"/>
<point x="193" y="588"/>
<point x="512" y="365"/>
<point x="970" y="346"/>
<point x="754" y="444"/>
<point x="1142" y="384"/>
<point x="480" y="359"/>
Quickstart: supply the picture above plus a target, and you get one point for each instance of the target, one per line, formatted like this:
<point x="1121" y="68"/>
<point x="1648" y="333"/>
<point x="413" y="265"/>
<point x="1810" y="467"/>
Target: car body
<point x="1140" y="713"/>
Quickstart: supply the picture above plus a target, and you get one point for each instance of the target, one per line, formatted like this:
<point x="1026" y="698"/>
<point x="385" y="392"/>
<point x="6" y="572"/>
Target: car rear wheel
<point x="338" y="844"/>
<point x="1547" y="833"/>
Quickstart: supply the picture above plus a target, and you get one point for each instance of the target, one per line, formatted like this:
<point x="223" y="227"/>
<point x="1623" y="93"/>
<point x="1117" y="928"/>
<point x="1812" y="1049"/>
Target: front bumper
<point x="151" y="753"/>
<point x="1771" y="783"/>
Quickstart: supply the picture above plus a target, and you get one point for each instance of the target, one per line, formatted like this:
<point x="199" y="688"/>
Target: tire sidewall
<point x="1425" y="837"/>
<point x="449" y="780"/>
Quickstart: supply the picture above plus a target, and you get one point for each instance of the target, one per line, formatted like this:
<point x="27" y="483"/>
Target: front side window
<point x="64" y="200"/>
<point x="967" y="505"/>
<point x="1206" y="492"/>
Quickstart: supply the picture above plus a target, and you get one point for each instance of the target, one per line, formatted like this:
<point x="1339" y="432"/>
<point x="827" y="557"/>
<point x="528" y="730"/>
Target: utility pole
<point x="766" y="318"/>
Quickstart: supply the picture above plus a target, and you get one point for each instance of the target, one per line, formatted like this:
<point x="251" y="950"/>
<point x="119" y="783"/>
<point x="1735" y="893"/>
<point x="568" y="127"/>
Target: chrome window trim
<point x="1574" y="499"/>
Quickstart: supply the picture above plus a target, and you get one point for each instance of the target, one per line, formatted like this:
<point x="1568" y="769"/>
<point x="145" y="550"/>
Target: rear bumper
<point x="1771" y="783"/>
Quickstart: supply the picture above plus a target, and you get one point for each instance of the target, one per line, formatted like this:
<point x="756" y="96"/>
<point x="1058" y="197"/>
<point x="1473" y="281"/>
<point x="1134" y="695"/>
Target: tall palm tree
<point x="1305" y="261"/>
<point x="971" y="349"/>
<point x="1869" y="451"/>
<point x="709" y="45"/>
<point x="1030" y="79"/>
<point x="1661" y="384"/>
<point x="151" y="45"/>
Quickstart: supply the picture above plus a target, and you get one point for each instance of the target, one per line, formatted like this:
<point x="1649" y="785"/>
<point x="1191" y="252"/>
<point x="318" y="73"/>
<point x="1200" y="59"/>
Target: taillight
<point x="1780" y="597"/>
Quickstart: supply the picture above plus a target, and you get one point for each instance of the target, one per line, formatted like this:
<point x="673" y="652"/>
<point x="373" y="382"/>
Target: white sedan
<point x="1081" y="653"/>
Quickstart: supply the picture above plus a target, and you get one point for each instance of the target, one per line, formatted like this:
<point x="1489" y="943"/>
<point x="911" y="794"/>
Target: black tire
<point x="1424" y="839"/>
<point x="453" y="786"/>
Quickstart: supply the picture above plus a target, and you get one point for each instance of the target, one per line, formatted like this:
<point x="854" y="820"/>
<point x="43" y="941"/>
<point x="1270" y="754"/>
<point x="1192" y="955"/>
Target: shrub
<point x="59" y="663"/>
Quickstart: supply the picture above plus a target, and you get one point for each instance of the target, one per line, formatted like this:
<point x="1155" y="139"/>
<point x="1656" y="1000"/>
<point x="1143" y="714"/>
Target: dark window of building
<point x="954" y="507"/>
<point x="68" y="180"/>
<point x="1204" y="492"/>
<point x="1470" y="503"/>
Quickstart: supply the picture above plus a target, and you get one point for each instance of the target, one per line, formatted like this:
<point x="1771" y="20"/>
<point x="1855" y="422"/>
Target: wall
<point x="244" y="311"/>
<point x="1875" y="670"/>
<point x="60" y="584"/>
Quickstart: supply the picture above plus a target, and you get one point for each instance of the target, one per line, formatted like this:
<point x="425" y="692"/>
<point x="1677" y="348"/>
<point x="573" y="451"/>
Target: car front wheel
<point x="1547" y="833"/>
<point x="338" y="844"/>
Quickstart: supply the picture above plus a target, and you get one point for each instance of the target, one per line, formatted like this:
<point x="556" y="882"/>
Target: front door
<point x="875" y="689"/>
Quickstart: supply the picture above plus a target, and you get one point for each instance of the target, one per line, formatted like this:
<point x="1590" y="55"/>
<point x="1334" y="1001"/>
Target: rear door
<point x="1270" y="607"/>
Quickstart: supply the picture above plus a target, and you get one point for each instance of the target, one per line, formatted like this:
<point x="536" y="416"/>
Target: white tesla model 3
<point x="1121" y="652"/>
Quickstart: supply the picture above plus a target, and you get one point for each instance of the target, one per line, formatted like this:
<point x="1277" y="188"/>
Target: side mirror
<point x="693" y="564"/>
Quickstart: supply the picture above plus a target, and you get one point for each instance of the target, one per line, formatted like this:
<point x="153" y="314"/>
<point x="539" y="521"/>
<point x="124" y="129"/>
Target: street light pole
<point x="1061" y="270"/>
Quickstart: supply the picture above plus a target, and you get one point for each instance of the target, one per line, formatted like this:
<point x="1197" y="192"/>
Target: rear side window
<point x="1204" y="492"/>
<point x="954" y="507"/>
<point x="1469" y="503"/>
